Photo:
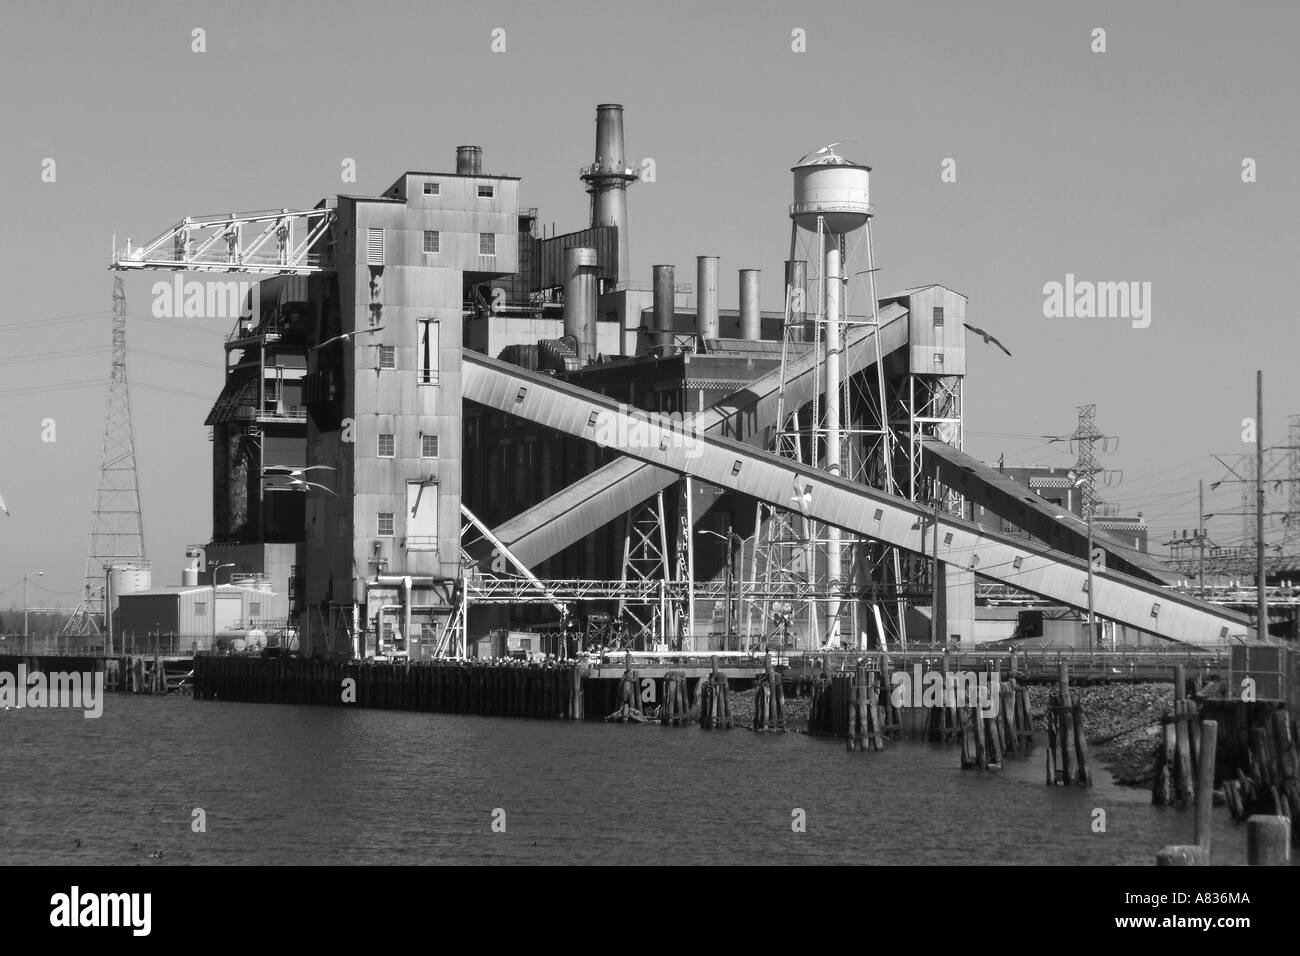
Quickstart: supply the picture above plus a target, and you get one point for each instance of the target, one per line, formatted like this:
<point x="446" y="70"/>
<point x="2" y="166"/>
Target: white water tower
<point x="832" y="203"/>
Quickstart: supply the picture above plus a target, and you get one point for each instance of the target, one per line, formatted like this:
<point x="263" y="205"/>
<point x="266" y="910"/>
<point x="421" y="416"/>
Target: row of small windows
<point x="201" y="609"/>
<point x="484" y="190"/>
<point x="426" y="348"/>
<point x="487" y="244"/>
<point x="387" y="446"/>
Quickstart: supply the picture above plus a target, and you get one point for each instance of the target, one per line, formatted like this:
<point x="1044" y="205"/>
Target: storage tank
<point x="581" y="268"/>
<point x="129" y="578"/>
<point x="834" y="188"/>
<point x="469" y="160"/>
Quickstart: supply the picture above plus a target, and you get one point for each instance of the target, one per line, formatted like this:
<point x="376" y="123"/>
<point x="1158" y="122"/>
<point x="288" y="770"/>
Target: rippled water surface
<point x="289" y="784"/>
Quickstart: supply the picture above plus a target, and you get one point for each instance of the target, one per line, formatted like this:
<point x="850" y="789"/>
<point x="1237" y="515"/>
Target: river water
<point x="314" y="785"/>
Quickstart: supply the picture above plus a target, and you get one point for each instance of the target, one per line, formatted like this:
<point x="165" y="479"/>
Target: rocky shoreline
<point x="1122" y="723"/>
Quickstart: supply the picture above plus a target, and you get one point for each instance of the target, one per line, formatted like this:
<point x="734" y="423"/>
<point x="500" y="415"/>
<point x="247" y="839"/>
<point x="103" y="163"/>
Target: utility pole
<point x="1261" y="598"/>
<point x="1200" y="534"/>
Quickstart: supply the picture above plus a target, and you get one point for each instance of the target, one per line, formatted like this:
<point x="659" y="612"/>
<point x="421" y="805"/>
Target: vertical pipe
<point x="1261" y="606"/>
<point x="1200" y="535"/>
<point x="796" y="284"/>
<point x="706" y="296"/>
<point x="580" y="272"/>
<point x="834" y="287"/>
<point x="751" y="326"/>
<point x="664" y="303"/>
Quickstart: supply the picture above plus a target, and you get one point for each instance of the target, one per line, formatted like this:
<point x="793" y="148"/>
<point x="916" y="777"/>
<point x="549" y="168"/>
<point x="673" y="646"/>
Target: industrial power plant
<point x="444" y="432"/>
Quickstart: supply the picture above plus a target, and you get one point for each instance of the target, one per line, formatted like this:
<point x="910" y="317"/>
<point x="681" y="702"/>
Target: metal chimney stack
<point x="706" y="296"/>
<point x="607" y="179"/>
<point x="751" y="324"/>
<point x="581" y="269"/>
<point x="469" y="160"/>
<point x="664" y="307"/>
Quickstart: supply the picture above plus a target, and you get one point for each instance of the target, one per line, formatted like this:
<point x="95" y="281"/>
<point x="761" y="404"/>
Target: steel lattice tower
<point x="1291" y="520"/>
<point x="116" y="526"/>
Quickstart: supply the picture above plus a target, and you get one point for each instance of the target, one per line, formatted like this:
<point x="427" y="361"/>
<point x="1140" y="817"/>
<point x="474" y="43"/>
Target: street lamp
<point x="730" y="538"/>
<point x="25" y="577"/>
<point x="215" y="568"/>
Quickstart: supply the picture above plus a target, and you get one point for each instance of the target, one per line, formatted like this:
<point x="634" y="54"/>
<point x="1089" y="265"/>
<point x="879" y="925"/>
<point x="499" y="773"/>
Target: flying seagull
<point x="347" y="335"/>
<point x="988" y="338"/>
<point x="288" y="471"/>
<point x="828" y="148"/>
<point x="301" y="484"/>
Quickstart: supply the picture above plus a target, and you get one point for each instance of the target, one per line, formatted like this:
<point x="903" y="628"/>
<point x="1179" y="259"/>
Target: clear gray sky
<point x="1115" y="166"/>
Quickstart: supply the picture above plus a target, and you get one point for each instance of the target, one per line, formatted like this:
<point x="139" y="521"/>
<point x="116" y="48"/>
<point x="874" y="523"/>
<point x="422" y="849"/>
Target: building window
<point x="938" y="316"/>
<point x="486" y="191"/>
<point x="422" y="515"/>
<point x="200" y="608"/>
<point x="388" y="356"/>
<point x="428" y="446"/>
<point x="431" y="242"/>
<point x="428" y="349"/>
<point x="254" y="610"/>
<point x="385" y="524"/>
<point x="341" y="527"/>
<point x="387" y="446"/>
<point x="431" y="189"/>
<point x="487" y="243"/>
<point x="375" y="246"/>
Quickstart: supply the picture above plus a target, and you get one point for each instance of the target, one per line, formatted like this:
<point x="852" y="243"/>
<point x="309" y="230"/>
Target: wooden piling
<point x="1183" y="856"/>
<point x="1209" y="733"/>
<point x="1268" y="840"/>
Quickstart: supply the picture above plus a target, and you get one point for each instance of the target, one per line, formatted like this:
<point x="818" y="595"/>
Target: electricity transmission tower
<point x="1084" y="443"/>
<point x="116" y="526"/>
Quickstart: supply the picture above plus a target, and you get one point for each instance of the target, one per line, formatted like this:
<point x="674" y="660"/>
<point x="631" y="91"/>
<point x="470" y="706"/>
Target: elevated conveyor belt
<point x="735" y="465"/>
<point x="583" y="507"/>
<point x="1013" y="502"/>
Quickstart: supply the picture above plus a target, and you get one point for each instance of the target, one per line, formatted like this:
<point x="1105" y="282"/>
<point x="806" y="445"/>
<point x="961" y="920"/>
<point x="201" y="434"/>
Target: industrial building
<point x="437" y="424"/>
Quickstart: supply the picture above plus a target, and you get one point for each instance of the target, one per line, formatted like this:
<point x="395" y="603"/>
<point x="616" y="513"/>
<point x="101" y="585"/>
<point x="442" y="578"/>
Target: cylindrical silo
<point x="664" y="306"/>
<point x="751" y="319"/>
<point x="581" y="270"/>
<point x="469" y="160"/>
<point x="796" y="286"/>
<point x="706" y="296"/>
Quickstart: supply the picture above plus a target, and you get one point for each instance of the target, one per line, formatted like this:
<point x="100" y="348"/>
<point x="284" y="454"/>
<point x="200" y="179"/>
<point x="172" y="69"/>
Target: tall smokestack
<point x="706" y="296"/>
<point x="796" y="284"/>
<point x="581" y="269"/>
<point x="607" y="180"/>
<point x="469" y="160"/>
<point x="751" y="324"/>
<point x="664" y="306"/>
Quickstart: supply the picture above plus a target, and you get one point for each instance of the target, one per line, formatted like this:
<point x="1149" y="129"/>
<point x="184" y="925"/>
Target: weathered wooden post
<point x="1183" y="856"/>
<point x="1205" y="784"/>
<point x="1268" y="840"/>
